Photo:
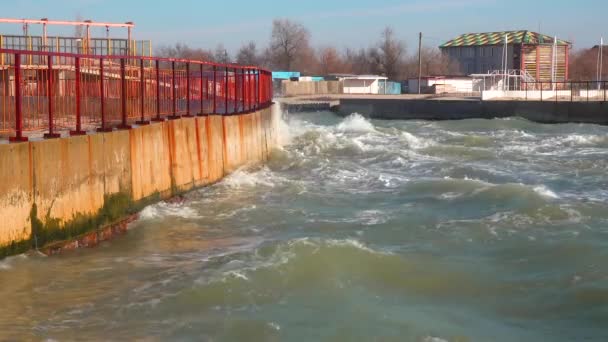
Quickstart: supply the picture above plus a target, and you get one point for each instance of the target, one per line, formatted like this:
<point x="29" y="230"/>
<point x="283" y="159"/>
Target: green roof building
<point x="537" y="54"/>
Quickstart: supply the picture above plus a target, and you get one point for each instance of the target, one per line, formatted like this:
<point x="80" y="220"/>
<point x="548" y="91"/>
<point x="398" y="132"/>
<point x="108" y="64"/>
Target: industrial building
<point x="538" y="56"/>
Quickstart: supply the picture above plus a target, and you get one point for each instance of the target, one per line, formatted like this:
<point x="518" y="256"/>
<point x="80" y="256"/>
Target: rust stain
<point x="210" y="149"/>
<point x="243" y="145"/>
<point x="170" y="136"/>
<point x="135" y="171"/>
<point x="198" y="149"/>
<point x="31" y="169"/>
<point x="225" y="156"/>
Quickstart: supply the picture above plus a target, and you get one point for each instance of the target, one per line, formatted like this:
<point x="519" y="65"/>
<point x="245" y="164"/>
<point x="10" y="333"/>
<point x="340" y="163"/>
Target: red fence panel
<point x="50" y="93"/>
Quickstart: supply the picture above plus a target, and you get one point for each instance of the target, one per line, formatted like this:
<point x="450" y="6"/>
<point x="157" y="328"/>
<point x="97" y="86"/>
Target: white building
<point x="441" y="85"/>
<point x="361" y="84"/>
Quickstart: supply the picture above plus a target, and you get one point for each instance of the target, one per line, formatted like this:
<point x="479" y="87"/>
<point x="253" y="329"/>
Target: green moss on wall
<point x="115" y="208"/>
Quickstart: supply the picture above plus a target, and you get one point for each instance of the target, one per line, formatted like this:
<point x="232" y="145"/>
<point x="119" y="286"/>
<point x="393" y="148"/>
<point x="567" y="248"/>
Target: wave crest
<point x="355" y="123"/>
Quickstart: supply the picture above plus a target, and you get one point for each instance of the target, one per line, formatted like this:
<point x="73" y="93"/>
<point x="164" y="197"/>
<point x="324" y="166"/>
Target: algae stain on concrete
<point x="53" y="230"/>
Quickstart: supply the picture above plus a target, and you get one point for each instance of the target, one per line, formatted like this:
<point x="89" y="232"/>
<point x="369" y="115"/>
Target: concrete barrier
<point x="60" y="189"/>
<point x="538" y="111"/>
<point x="524" y="94"/>
<point x="293" y="88"/>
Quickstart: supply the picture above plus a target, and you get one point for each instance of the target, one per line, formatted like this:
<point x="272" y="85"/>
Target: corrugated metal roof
<point x="498" y="38"/>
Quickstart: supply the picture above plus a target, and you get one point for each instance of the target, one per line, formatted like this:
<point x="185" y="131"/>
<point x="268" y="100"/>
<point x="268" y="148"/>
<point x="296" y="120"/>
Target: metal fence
<point x="82" y="45"/>
<point x="49" y="92"/>
<point x="570" y="91"/>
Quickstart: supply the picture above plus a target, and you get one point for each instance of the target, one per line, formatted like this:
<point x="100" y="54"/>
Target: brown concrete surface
<point x="71" y="177"/>
<point x="16" y="192"/>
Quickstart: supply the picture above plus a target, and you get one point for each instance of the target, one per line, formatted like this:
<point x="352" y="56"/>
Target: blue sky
<point x="354" y="23"/>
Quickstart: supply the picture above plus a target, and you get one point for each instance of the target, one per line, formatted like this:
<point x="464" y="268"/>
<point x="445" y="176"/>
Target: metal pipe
<point x="202" y="93"/>
<point x="226" y="91"/>
<point x="157" y="118"/>
<point x="63" y="22"/>
<point x="123" y="95"/>
<point x="102" y="89"/>
<point x="188" y="90"/>
<point x="50" y="93"/>
<point x="214" y="89"/>
<point x="142" y="89"/>
<point x="78" y="130"/>
<point x="18" y="114"/>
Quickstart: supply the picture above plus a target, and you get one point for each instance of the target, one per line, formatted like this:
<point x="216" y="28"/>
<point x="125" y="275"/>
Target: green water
<point x="476" y="230"/>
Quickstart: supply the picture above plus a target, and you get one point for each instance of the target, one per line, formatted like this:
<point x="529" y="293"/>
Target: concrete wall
<point x="522" y="94"/>
<point x="545" y="112"/>
<point x="291" y="88"/>
<point x="54" y="183"/>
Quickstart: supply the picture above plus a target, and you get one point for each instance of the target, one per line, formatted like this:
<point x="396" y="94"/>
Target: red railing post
<point x="157" y="118"/>
<point x="258" y="96"/>
<point x="50" y="93"/>
<point x="188" y="96"/>
<point x="18" y="114"/>
<point x="102" y="89"/>
<point x="246" y="90"/>
<point x="78" y="130"/>
<point x="571" y="92"/>
<point x="226" y="91"/>
<point x="123" y="95"/>
<point x="214" y="89"/>
<point x="236" y="92"/>
<point x="202" y="110"/>
<point x="174" y="115"/>
<point x="142" y="90"/>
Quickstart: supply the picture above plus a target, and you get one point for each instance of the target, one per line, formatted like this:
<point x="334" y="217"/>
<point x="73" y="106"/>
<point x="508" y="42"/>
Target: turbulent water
<point x="357" y="230"/>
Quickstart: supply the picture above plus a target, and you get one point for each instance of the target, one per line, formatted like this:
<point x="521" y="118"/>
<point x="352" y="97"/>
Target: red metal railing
<point x="48" y="92"/>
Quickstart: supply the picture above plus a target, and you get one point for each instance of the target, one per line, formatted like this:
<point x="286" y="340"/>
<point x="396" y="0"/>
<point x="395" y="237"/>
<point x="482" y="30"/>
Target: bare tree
<point x="330" y="61"/>
<point x="184" y="51"/>
<point x="387" y="56"/>
<point x="584" y="64"/>
<point x="248" y="55"/>
<point x="434" y="62"/>
<point x="289" y="42"/>
<point x="221" y="54"/>
<point x="357" y="62"/>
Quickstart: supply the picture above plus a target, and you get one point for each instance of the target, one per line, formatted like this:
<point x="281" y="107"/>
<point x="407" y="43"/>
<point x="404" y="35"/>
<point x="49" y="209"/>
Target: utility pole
<point x="419" y="62"/>
<point x="600" y="63"/>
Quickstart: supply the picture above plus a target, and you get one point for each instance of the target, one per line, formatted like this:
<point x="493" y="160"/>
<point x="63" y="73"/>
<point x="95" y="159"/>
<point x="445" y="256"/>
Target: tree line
<point x="290" y="49"/>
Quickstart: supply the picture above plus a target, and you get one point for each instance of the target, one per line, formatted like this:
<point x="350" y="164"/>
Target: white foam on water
<point x="237" y="275"/>
<point x="582" y="140"/>
<point x="242" y="178"/>
<point x="433" y="339"/>
<point x="371" y="217"/>
<point x="545" y="192"/>
<point x="274" y="326"/>
<point x="237" y="211"/>
<point x="355" y="123"/>
<point x="7" y="263"/>
<point x="352" y="243"/>
<point x="415" y="142"/>
<point x="165" y="209"/>
<point x="5" y="266"/>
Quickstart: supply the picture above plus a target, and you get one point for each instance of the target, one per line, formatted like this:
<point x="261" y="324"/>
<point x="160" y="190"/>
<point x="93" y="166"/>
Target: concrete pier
<point x="537" y="111"/>
<point x="59" y="189"/>
<point x="424" y="107"/>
